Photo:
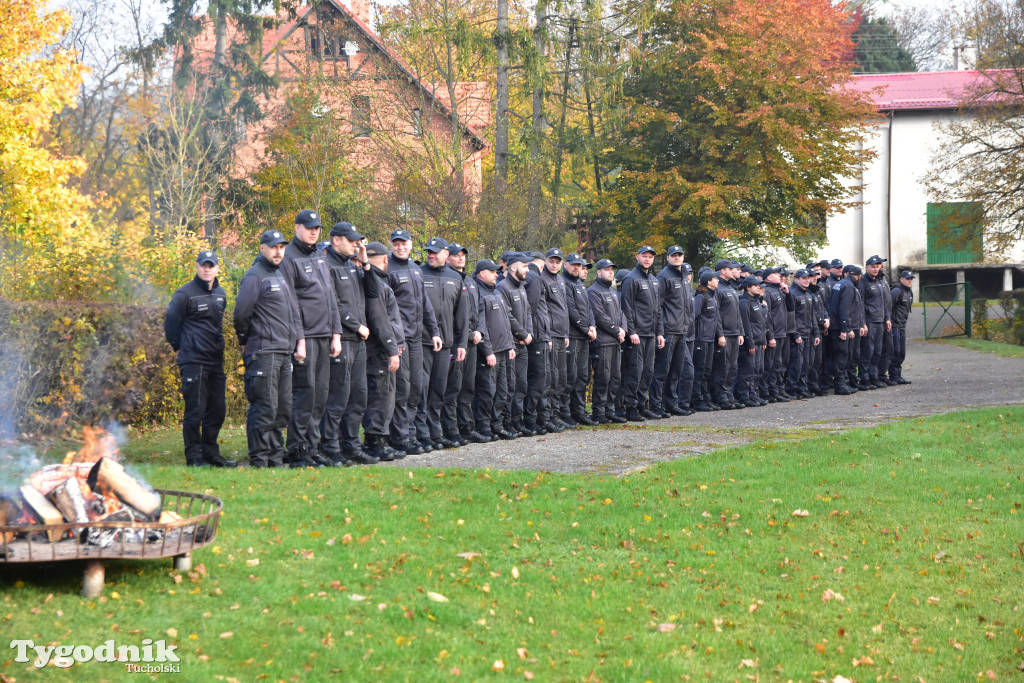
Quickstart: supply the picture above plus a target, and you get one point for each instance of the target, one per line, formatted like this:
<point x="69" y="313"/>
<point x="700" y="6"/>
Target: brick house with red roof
<point x="390" y="112"/>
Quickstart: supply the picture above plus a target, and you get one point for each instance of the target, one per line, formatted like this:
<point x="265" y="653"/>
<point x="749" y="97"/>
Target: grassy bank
<point x="996" y="348"/>
<point x="907" y="563"/>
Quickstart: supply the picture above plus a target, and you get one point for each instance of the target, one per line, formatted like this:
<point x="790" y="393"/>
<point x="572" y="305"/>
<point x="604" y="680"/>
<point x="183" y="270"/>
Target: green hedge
<point x="63" y="364"/>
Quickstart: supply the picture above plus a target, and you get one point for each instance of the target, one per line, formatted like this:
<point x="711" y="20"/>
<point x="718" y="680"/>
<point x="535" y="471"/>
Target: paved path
<point x="945" y="378"/>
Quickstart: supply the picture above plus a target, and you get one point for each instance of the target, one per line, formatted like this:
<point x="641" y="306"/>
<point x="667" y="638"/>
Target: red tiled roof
<point x="922" y="90"/>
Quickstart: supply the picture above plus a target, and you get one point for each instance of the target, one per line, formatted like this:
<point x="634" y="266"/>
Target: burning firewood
<point x="43" y="508"/>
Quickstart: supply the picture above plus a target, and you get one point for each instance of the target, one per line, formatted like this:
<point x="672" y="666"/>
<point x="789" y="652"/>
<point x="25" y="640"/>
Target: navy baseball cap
<point x="744" y="268"/>
<point x="455" y="248"/>
<point x="875" y="260"/>
<point x="535" y="255"/>
<point x="272" y="237"/>
<point x="620" y="275"/>
<point x="907" y="274"/>
<point x="836" y="263"/>
<point x="346" y="230"/>
<point x="723" y="263"/>
<point x="376" y="249"/>
<point x="604" y="263"/>
<point x="208" y="257"/>
<point x="823" y="263"/>
<point x="749" y="281"/>
<point x="803" y="272"/>
<point x="308" y="218"/>
<point x="765" y="272"/>
<point x="851" y="269"/>
<point x="783" y="270"/>
<point x="554" y="252"/>
<point x="437" y="244"/>
<point x="485" y="264"/>
<point x="707" y="276"/>
<point x="646" y="249"/>
<point x="517" y="257"/>
<point x="674" y="249"/>
<point x="686" y="267"/>
<point x="576" y="259"/>
<point x="506" y="256"/>
<point x="401" y="235"/>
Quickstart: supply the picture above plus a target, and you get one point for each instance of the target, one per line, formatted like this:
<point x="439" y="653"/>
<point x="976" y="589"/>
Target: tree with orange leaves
<point x="734" y="125"/>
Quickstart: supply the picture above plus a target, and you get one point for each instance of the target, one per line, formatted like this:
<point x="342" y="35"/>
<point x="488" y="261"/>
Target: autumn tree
<point x="981" y="155"/>
<point x="738" y="127"/>
<point x="37" y="208"/>
<point x="878" y="49"/>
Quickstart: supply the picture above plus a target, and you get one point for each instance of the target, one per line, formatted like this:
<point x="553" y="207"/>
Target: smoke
<point x="16" y="463"/>
<point x="10" y="364"/>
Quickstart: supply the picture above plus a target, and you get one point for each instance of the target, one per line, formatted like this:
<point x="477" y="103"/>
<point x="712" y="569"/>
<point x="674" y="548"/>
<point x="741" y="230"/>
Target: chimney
<point x="965" y="57"/>
<point x="360" y="9"/>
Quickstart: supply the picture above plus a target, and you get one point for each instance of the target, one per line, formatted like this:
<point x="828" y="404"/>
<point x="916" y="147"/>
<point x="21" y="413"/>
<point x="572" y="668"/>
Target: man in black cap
<point x="775" y="295"/>
<point x="803" y="336"/>
<point x="845" y="317"/>
<point x="670" y="361"/>
<point x="384" y="349"/>
<point x="309" y="278"/>
<point x="406" y="280"/>
<point x="606" y="348"/>
<point x="457" y="414"/>
<point x="582" y="331"/>
<point x="684" y="389"/>
<point x="513" y="291"/>
<point x="755" y="340"/>
<point x="444" y="289"/>
<point x="902" y="304"/>
<point x="535" y="408"/>
<point x="641" y="304"/>
<point x="730" y="337"/>
<point x="816" y="383"/>
<point x="269" y="326"/>
<point x="556" y="294"/>
<point x="877" y="299"/>
<point x="193" y="325"/>
<point x="495" y="355"/>
<point x="346" y="400"/>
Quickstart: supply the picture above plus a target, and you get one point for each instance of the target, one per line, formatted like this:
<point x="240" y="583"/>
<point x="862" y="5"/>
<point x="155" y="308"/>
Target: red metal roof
<point x="922" y="90"/>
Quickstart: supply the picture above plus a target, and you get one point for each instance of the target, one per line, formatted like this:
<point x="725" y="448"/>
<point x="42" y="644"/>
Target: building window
<point x="324" y="43"/>
<point x="361" y="116"/>
<point x="417" y="122"/>
<point x="313" y="42"/>
<point x="955" y="232"/>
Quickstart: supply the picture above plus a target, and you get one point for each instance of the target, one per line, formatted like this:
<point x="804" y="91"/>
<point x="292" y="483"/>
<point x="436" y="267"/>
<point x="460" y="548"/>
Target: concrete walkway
<point x="945" y="378"/>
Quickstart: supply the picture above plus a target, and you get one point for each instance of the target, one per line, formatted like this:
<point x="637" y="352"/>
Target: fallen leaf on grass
<point x="800" y="513"/>
<point x="932" y="600"/>
<point x="956" y="644"/>
<point x="436" y="597"/>
<point x="665" y="628"/>
<point x="498" y="665"/>
<point x="172" y="633"/>
<point x="864" y="661"/>
<point x="468" y="555"/>
<point x="253" y="562"/>
<point x="356" y="597"/>
<point x="829" y="594"/>
<point x="515" y="572"/>
<point x="748" y="663"/>
<point x="841" y="679"/>
<point x="876" y="629"/>
<point x="521" y="652"/>
<point x="226" y="634"/>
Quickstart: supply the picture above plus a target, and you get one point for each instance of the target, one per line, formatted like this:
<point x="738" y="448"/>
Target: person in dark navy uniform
<point x="606" y="349"/>
<point x="193" y="325"/>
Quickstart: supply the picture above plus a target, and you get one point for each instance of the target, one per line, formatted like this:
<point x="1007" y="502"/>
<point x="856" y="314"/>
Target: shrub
<point x="63" y="364"/>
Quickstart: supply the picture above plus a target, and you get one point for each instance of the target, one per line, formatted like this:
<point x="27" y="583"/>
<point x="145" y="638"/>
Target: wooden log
<point x="112" y="475"/>
<point x="10" y="511"/>
<point x="44" y="509"/>
<point x="69" y="499"/>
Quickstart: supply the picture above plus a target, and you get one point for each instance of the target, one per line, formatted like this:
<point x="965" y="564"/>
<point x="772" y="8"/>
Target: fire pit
<point x="90" y="509"/>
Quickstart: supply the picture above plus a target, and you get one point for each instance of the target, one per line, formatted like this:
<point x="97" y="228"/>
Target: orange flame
<point x="99" y="443"/>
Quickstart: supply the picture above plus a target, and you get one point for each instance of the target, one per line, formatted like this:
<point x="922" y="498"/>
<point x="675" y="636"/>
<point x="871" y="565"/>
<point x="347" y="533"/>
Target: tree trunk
<point x="217" y="116"/>
<point x="501" y="120"/>
<point x="537" y="134"/>
<point x="556" y="181"/>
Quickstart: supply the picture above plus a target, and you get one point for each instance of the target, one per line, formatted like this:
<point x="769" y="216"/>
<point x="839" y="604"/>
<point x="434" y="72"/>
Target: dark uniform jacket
<point x="519" y="317"/>
<point x="406" y="281"/>
<point x="705" y="316"/>
<point x="471" y="292"/>
<point x="494" y="316"/>
<point x="641" y="303"/>
<point x="776" y="300"/>
<point x="676" y="301"/>
<point x="843" y="306"/>
<point x="443" y="288"/>
<point x="352" y="290"/>
<point x="538" y="304"/>
<point x="581" y="318"/>
<point x="266" y="313"/>
<point x="874" y="291"/>
<point x="608" y="315"/>
<point x="729" y="322"/>
<point x="193" y="323"/>
<point x="803" y="308"/>
<point x="902" y="302"/>
<point x="387" y="331"/>
<point x="819" y="311"/>
<point x="305" y="269"/>
<point x="753" y="309"/>
<point x="558" y="307"/>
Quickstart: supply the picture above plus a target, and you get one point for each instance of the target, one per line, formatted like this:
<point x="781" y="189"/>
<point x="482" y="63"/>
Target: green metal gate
<point x="940" y="294"/>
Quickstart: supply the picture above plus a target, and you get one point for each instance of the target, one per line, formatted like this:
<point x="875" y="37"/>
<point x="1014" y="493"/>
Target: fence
<point x="949" y="298"/>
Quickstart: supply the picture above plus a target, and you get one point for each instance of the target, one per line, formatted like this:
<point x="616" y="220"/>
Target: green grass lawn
<point x="908" y="563"/>
<point x="1003" y="350"/>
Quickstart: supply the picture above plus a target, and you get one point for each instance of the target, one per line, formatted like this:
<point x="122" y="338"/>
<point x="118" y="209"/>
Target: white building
<point x="896" y="218"/>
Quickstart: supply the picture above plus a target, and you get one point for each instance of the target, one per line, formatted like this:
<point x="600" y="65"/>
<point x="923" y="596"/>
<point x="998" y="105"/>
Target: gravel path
<point x="945" y="378"/>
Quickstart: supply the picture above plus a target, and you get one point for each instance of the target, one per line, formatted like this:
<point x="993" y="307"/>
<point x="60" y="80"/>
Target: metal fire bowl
<point x="197" y="528"/>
